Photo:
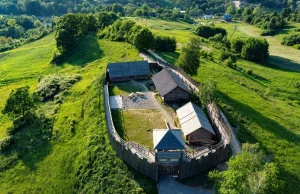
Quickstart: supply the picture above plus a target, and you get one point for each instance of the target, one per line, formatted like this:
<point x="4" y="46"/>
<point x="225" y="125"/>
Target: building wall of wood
<point x="176" y="95"/>
<point x="123" y="79"/>
<point x="199" y="134"/>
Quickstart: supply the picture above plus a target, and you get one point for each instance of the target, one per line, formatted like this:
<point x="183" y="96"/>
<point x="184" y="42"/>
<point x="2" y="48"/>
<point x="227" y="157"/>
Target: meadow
<point x="263" y="107"/>
<point x="80" y="161"/>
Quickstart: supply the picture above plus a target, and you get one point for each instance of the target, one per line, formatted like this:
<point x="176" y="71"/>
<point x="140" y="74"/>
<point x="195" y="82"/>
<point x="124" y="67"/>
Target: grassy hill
<point x="264" y="107"/>
<point x="68" y="162"/>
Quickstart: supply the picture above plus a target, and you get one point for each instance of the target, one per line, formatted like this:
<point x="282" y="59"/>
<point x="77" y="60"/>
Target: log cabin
<point x="194" y="124"/>
<point x="170" y="86"/>
<point x="125" y="71"/>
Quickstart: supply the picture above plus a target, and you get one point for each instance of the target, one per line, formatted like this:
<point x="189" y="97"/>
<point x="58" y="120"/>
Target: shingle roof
<point x="165" y="81"/>
<point x="192" y="118"/>
<point x="124" y="69"/>
<point x="168" y="139"/>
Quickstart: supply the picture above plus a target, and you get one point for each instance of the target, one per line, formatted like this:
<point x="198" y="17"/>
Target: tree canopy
<point x="248" y="172"/>
<point x="189" y="59"/>
<point x="19" y="103"/>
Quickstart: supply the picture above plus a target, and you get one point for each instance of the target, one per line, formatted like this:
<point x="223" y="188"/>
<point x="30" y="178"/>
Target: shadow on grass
<point x="88" y="50"/>
<point x="171" y="57"/>
<point x="32" y="143"/>
<point x="118" y="119"/>
<point x="263" y="121"/>
<point x="280" y="63"/>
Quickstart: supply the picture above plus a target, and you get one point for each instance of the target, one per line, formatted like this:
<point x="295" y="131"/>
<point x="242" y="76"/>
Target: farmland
<point x="265" y="106"/>
<point x="62" y="164"/>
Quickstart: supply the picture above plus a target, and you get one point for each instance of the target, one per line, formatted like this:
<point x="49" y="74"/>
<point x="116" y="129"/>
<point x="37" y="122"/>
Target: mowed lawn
<point x="81" y="161"/>
<point x="124" y="89"/>
<point x="137" y="125"/>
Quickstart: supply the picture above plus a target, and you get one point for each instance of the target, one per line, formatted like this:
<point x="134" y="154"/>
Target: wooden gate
<point x="168" y="170"/>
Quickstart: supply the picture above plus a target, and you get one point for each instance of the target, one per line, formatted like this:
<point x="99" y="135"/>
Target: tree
<point x="19" y="103"/>
<point x="143" y="39"/>
<point x="248" y="172"/>
<point x="231" y="10"/>
<point x="207" y="93"/>
<point x="189" y="59"/>
<point x="255" y="49"/>
<point x="118" y="9"/>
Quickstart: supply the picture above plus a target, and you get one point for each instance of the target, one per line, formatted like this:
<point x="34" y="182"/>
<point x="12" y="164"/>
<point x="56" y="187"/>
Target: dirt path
<point x="169" y="185"/>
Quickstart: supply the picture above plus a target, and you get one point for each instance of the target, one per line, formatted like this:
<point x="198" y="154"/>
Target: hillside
<point x="67" y="162"/>
<point x="264" y="107"/>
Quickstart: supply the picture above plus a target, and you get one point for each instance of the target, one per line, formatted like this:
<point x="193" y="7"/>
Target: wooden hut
<point x="125" y="71"/>
<point x="168" y="145"/>
<point x="170" y="86"/>
<point x="227" y="17"/>
<point x="194" y="124"/>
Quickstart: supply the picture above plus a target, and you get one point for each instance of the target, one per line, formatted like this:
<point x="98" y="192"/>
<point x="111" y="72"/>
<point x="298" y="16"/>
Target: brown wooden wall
<point x="142" y="166"/>
<point x="177" y="94"/>
<point x="199" y="134"/>
<point x="205" y="163"/>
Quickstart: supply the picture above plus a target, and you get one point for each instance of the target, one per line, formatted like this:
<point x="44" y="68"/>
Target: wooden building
<point x="194" y="124"/>
<point x="168" y="145"/>
<point x="170" y="86"/>
<point x="125" y="71"/>
<point x="227" y="17"/>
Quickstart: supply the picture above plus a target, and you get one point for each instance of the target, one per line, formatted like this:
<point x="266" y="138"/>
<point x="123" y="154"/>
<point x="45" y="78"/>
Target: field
<point x="124" y="89"/>
<point x="137" y="125"/>
<point x="264" y="107"/>
<point x="81" y="161"/>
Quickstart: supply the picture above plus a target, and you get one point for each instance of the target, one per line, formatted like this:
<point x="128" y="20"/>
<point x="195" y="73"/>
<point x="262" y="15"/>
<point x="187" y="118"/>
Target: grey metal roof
<point x="165" y="81"/>
<point x="192" y="118"/>
<point x="168" y="139"/>
<point x="125" y="69"/>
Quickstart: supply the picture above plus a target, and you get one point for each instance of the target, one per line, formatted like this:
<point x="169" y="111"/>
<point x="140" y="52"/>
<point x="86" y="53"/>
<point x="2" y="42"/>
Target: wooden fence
<point x="137" y="156"/>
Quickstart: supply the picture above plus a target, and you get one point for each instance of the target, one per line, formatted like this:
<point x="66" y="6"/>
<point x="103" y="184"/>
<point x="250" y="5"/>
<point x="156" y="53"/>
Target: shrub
<point x="164" y="44"/>
<point x="227" y="54"/>
<point x="52" y="85"/>
<point x="297" y="85"/>
<point x="291" y="40"/>
<point x="249" y="71"/>
<point x="268" y="32"/>
<point x="255" y="49"/>
<point x="237" y="45"/>
<point x="229" y="63"/>
<point x="209" y="31"/>
<point x="5" y="143"/>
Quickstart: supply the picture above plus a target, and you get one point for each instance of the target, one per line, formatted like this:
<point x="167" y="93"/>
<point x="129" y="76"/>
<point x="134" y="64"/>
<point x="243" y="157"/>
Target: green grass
<point x="125" y="89"/>
<point x="138" y="125"/>
<point x="280" y="55"/>
<point x="69" y="162"/>
<point x="265" y="106"/>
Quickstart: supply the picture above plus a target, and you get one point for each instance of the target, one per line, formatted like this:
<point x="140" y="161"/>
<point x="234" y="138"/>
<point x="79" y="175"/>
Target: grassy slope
<point x="83" y="161"/>
<point x="280" y="55"/>
<point x="273" y="121"/>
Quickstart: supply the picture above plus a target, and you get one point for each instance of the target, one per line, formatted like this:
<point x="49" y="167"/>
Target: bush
<point x="229" y="63"/>
<point x="164" y="44"/>
<point x="249" y="71"/>
<point x="5" y="143"/>
<point x="255" y="49"/>
<point x="297" y="85"/>
<point x="268" y="33"/>
<point x="209" y="31"/>
<point x="237" y="45"/>
<point x="52" y="85"/>
<point x="227" y="54"/>
<point x="291" y="40"/>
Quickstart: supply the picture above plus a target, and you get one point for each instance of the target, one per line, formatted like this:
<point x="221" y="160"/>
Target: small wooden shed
<point x="194" y="124"/>
<point x="170" y="86"/>
<point x="168" y="145"/>
<point x="227" y="17"/>
<point x="125" y="71"/>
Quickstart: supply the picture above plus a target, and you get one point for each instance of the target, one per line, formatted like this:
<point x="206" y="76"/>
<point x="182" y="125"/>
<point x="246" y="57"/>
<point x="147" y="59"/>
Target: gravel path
<point x="148" y="101"/>
<point x="169" y="185"/>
